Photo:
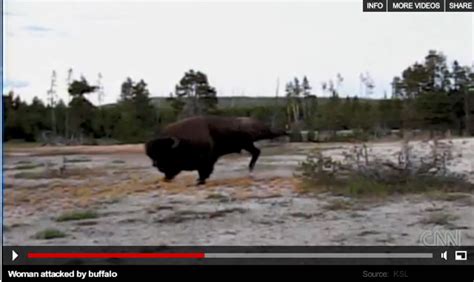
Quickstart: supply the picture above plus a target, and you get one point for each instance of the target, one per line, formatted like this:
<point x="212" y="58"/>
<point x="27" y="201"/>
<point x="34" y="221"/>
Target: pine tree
<point x="126" y="91"/>
<point x="194" y="95"/>
<point x="137" y="114"/>
<point x="424" y="88"/>
<point x="293" y="95"/>
<point x="82" y="111"/>
<point x="460" y="94"/>
<point x="309" y="104"/>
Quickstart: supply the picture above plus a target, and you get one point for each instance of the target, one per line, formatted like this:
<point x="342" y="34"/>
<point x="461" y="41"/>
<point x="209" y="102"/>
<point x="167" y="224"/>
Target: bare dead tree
<point x="277" y="91"/>
<point x="100" y="89"/>
<point x="51" y="93"/>
<point x="66" y="120"/>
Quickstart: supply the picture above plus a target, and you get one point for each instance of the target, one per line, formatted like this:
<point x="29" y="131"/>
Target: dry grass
<point x="218" y="197"/>
<point x="14" y="145"/>
<point x="338" y="204"/>
<point x="27" y="166"/>
<point x="237" y="181"/>
<point x="77" y="160"/>
<point x="449" y="197"/>
<point x="22" y="162"/>
<point x="75" y="150"/>
<point x="187" y="215"/>
<point x="74" y="173"/>
<point x="56" y="198"/>
<point x="440" y="218"/>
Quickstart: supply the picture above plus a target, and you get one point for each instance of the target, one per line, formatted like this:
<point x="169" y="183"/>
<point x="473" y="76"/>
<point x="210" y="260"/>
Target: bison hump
<point x="194" y="130"/>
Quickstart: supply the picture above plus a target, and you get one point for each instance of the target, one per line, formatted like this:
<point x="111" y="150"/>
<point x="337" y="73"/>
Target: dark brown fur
<point x="197" y="143"/>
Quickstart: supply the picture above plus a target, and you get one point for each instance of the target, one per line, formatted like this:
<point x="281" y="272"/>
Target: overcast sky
<point x="242" y="47"/>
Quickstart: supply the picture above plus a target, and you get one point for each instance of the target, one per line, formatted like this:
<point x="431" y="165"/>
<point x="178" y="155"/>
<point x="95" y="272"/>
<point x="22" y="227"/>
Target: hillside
<point x="242" y="101"/>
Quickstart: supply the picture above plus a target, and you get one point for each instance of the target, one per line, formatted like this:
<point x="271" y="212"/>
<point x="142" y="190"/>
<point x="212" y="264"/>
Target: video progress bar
<point x="319" y="255"/>
<point x="228" y="255"/>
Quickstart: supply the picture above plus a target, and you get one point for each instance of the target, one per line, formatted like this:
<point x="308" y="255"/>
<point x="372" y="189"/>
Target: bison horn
<point x="175" y="142"/>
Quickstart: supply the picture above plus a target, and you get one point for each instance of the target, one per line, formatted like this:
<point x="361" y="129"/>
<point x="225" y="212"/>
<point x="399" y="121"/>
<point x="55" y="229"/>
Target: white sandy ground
<point x="266" y="208"/>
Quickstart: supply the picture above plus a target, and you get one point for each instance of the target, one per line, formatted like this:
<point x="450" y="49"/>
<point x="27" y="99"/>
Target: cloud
<point x="160" y="41"/>
<point x="10" y="14"/>
<point x="15" y="84"/>
<point x="37" y="29"/>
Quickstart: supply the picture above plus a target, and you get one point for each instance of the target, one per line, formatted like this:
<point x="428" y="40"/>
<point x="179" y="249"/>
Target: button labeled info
<point x="375" y="5"/>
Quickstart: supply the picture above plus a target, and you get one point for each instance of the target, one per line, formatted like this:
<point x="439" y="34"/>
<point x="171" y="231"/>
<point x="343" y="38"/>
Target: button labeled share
<point x="459" y="6"/>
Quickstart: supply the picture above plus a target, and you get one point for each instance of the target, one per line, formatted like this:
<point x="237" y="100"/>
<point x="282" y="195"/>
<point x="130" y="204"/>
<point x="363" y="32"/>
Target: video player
<point x="237" y="139"/>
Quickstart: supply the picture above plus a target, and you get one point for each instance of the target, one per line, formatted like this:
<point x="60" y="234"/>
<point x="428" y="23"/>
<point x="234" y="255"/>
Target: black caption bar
<point x="418" y="5"/>
<point x="192" y="273"/>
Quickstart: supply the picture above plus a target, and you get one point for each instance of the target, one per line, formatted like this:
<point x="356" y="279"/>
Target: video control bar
<point x="240" y="255"/>
<point x="418" y="5"/>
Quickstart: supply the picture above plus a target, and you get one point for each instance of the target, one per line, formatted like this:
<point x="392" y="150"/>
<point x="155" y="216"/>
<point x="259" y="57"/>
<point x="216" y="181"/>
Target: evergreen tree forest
<point x="431" y="95"/>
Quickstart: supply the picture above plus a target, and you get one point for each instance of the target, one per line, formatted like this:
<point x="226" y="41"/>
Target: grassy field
<point x="111" y="195"/>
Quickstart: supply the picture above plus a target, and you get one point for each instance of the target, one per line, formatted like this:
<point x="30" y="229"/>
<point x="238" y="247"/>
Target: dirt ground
<point x="111" y="195"/>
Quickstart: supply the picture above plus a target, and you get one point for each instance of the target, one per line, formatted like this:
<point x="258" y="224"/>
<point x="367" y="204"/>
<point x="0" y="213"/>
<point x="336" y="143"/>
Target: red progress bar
<point x="117" y="255"/>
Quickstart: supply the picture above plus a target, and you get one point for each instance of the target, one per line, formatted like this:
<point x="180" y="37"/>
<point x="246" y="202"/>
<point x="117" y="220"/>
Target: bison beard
<point x="197" y="143"/>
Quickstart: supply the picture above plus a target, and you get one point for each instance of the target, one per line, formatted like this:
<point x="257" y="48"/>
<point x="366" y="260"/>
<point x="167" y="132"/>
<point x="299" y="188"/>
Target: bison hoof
<point x="201" y="182"/>
<point x="165" y="179"/>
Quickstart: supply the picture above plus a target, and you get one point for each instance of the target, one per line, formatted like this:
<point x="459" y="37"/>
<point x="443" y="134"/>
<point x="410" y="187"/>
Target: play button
<point x="14" y="255"/>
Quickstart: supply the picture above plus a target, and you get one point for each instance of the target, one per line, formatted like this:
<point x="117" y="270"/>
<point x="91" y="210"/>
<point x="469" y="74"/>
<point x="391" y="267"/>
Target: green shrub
<point x="49" y="233"/>
<point x="296" y="136"/>
<point x="361" y="174"/>
<point x="77" y="215"/>
<point x="311" y="137"/>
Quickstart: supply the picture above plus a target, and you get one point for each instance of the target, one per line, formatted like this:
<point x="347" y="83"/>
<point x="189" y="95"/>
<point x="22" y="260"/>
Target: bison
<point x="197" y="143"/>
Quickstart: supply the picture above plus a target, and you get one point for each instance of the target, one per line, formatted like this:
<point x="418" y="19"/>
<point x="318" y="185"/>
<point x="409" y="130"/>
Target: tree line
<point x="429" y="95"/>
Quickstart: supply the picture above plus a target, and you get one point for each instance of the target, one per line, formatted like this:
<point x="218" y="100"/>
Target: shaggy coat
<point x="197" y="143"/>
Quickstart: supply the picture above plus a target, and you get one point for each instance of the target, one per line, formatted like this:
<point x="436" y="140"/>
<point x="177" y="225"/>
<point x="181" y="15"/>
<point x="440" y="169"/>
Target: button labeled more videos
<point x="460" y="255"/>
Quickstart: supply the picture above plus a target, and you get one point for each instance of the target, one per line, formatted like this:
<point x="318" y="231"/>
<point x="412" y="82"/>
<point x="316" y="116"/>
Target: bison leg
<point x="170" y="175"/>
<point x="204" y="173"/>
<point x="255" y="152"/>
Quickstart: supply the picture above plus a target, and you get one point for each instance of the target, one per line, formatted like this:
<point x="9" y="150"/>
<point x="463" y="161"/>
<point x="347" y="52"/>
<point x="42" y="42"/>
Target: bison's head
<point x="161" y="151"/>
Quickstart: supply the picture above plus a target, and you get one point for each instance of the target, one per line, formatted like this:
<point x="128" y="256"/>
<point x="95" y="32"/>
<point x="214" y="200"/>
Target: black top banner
<point x="418" y="5"/>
